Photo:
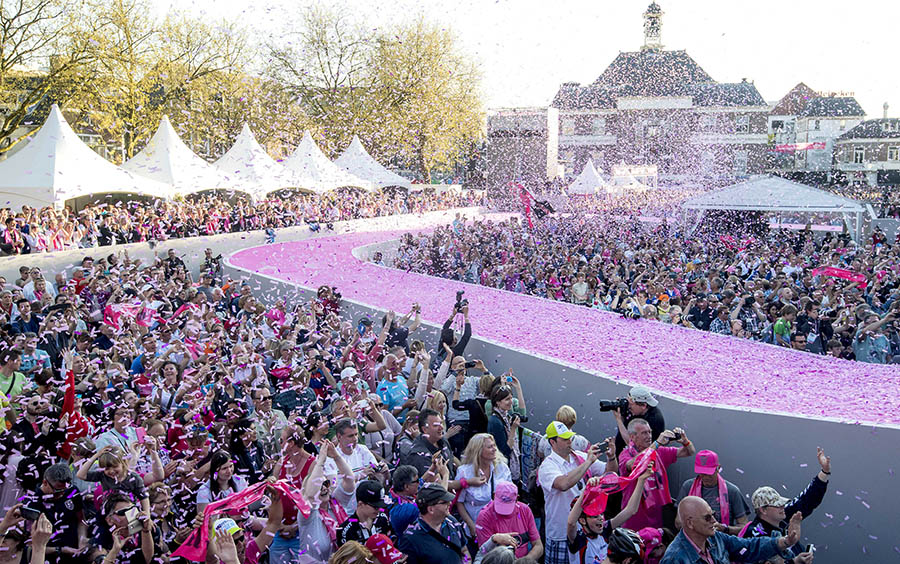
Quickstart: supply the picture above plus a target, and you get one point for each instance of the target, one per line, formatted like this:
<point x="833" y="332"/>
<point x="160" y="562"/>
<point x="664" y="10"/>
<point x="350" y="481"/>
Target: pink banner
<point x="843" y="273"/>
<point x="194" y="547"/>
<point x="791" y="147"/>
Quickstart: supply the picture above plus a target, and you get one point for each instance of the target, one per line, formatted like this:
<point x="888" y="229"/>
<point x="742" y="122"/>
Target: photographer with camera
<point x="652" y="511"/>
<point x="448" y="336"/>
<point x="815" y="325"/>
<point x="639" y="403"/>
<point x="749" y="310"/>
<point x="562" y="478"/>
<point x="398" y="333"/>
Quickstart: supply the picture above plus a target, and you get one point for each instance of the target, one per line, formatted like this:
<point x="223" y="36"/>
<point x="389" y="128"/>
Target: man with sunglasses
<point x="63" y="505"/>
<point x="119" y="513"/>
<point x="700" y="540"/>
<point x="436" y="537"/>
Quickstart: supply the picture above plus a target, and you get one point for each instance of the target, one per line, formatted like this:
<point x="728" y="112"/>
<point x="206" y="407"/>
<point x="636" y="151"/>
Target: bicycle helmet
<point x="625" y="543"/>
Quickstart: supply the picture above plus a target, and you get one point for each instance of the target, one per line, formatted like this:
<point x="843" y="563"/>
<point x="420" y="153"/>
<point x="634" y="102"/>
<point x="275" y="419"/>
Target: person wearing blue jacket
<point x="700" y="542"/>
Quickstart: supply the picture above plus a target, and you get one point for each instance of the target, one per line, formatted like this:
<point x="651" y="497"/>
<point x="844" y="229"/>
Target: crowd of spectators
<point x="810" y="291"/>
<point x="32" y="230"/>
<point x="152" y="418"/>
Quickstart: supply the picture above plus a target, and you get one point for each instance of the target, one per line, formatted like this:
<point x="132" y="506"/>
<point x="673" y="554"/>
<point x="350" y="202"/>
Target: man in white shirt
<point x="360" y="459"/>
<point x="562" y="476"/>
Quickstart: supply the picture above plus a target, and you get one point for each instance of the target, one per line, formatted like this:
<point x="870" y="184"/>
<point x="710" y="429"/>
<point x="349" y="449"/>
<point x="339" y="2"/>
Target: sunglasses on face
<point x="122" y="512"/>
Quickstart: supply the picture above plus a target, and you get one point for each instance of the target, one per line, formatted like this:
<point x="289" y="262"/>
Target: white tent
<point x="56" y="166"/>
<point x="248" y="167"/>
<point x="356" y="160"/>
<point x="588" y="182"/>
<point x="314" y="171"/>
<point x="626" y="183"/>
<point x="776" y="194"/>
<point x="167" y="159"/>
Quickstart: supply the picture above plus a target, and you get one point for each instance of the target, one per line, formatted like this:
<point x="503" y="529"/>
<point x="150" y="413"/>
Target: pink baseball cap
<point x="505" y="497"/>
<point x="651" y="537"/>
<point x="707" y="462"/>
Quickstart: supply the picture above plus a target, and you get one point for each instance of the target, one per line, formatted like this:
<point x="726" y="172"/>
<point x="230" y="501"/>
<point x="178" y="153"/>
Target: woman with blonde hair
<point x="481" y="458"/>
<point x="351" y="552"/>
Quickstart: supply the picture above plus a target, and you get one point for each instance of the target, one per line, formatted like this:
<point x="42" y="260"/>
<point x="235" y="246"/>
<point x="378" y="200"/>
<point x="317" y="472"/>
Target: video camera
<point x="620" y="404"/>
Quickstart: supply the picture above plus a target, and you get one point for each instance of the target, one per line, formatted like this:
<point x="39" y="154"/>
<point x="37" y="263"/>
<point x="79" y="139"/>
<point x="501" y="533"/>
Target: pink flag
<point x="843" y="273"/>
<point x="194" y="547"/>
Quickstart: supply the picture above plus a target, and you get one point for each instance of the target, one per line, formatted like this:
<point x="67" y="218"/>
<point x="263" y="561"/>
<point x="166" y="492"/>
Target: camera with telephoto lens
<point x="620" y="404"/>
<point x="460" y="302"/>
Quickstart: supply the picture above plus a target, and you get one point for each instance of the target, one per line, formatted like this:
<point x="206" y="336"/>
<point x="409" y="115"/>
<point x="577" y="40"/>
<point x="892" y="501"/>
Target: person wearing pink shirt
<point x="506" y="521"/>
<point x="656" y="488"/>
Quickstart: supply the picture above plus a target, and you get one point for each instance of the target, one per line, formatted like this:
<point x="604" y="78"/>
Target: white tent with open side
<point x="775" y="194"/>
<point x="248" y="167"/>
<point x="627" y="183"/>
<point x="167" y="159"/>
<point x="314" y="171"/>
<point x="588" y="182"/>
<point x="356" y="160"/>
<point x="56" y="166"/>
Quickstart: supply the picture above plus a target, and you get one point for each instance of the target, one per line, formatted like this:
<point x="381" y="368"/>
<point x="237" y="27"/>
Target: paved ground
<point x="685" y="363"/>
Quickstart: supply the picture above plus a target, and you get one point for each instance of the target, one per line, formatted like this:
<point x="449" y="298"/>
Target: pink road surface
<point x="685" y="363"/>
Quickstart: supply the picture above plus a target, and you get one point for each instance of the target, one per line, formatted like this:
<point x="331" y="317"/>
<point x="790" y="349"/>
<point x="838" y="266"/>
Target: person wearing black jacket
<point x="641" y="403"/>
<point x="36" y="436"/>
<point x="774" y="511"/>
<point x="817" y="330"/>
<point x="449" y="338"/>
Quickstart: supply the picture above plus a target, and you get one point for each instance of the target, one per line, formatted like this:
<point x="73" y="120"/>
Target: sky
<point x="527" y="48"/>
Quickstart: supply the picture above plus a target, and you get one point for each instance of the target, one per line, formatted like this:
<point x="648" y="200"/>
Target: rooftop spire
<point x="653" y="27"/>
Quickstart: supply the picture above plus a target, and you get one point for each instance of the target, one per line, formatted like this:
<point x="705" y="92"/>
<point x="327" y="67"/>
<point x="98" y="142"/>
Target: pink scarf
<point x="332" y="523"/>
<point x="194" y="548"/>
<point x="723" y="497"/>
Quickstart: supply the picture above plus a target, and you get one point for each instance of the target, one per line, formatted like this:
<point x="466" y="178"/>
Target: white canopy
<point x="56" y="166"/>
<point x="248" y="167"/>
<point x="626" y="183"/>
<point x="356" y="160"/>
<point x="773" y="193"/>
<point x="167" y="159"/>
<point x="314" y="171"/>
<point x="588" y="182"/>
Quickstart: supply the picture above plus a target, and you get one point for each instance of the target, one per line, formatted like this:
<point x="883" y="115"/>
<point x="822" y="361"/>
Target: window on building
<point x="777" y="124"/>
<point x="598" y="126"/>
<point x="742" y="124"/>
<point x="859" y="155"/>
<point x="894" y="153"/>
<point x="566" y="156"/>
<point x="597" y="157"/>
<point x="740" y="162"/>
<point x="568" y="126"/>
<point x="707" y="121"/>
<point x="843" y="124"/>
<point x="890" y="126"/>
<point x="817" y="125"/>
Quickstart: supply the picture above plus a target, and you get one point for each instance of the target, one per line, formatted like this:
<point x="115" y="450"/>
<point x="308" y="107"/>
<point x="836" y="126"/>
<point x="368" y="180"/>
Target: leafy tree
<point x="44" y="46"/>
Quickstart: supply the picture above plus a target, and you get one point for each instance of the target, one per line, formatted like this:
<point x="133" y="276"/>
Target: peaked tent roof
<point x="588" y="182"/>
<point x="248" y="167"/>
<point x="56" y="166"/>
<point x="315" y="171"/>
<point x="167" y="159"/>
<point x="356" y="160"/>
<point x="772" y="193"/>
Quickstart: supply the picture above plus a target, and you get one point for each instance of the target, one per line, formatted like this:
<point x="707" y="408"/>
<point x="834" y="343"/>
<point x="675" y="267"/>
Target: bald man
<point x="699" y="541"/>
